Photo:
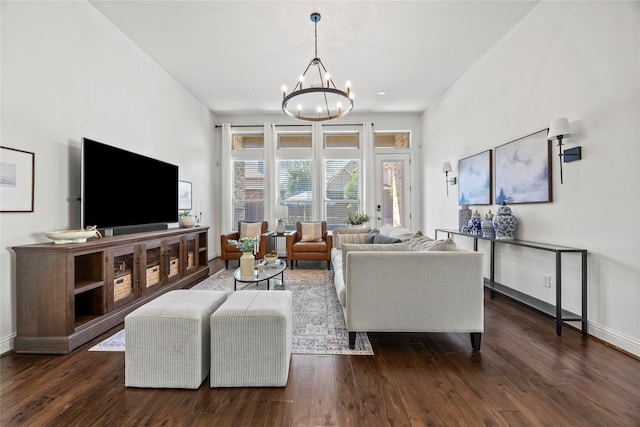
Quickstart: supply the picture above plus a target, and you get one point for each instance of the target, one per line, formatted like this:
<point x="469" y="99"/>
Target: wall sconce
<point x="558" y="129"/>
<point x="446" y="168"/>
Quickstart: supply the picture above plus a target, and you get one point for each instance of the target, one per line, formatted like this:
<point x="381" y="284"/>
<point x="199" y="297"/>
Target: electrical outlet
<point x="546" y="281"/>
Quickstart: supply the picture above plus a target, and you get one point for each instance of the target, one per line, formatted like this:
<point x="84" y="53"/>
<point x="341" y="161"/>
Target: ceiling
<point x="235" y="56"/>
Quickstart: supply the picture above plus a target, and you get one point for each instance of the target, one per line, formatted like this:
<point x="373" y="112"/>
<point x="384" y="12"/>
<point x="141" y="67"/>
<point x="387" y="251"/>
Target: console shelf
<point x="69" y="294"/>
<point x="556" y="311"/>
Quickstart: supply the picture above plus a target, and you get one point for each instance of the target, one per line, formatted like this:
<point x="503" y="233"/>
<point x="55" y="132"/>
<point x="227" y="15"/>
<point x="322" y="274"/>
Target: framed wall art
<point x="474" y="179"/>
<point x="16" y="180"/>
<point x="523" y="170"/>
<point x="184" y="196"/>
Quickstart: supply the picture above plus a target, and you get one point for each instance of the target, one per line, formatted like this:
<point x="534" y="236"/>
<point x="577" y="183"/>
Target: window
<point x="394" y="140"/>
<point x="242" y="141"/>
<point x="294" y="189"/>
<point x="248" y="191"/>
<point x="341" y="190"/>
<point x="294" y="140"/>
<point x="342" y="140"/>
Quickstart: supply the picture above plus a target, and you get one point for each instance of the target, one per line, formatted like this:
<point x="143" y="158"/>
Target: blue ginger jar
<point x="475" y="224"/>
<point x="487" y="226"/>
<point x="464" y="215"/>
<point x="504" y="223"/>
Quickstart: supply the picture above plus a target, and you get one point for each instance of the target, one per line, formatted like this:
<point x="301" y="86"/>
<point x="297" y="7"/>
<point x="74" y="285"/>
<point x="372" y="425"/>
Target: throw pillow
<point x="381" y="239"/>
<point x="400" y="232"/>
<point x="386" y="229"/>
<point x="440" y="245"/>
<point x="418" y="241"/>
<point x="371" y="235"/>
<point x="250" y="229"/>
<point x="311" y="232"/>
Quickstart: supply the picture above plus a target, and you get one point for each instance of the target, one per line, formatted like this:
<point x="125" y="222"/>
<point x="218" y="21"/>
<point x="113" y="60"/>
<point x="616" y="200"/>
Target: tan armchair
<point x="229" y="250"/>
<point x="299" y="249"/>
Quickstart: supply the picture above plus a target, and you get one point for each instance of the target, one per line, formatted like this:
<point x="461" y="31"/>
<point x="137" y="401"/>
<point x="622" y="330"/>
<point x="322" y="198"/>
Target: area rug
<point x="318" y="319"/>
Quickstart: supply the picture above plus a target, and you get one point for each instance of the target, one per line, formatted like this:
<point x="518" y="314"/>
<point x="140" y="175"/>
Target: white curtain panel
<point x="225" y="164"/>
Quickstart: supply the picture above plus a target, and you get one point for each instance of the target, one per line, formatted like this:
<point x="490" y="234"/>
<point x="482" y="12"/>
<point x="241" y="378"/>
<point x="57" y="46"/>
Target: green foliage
<point x="186" y="212"/>
<point x="351" y="188"/>
<point x="356" y="218"/>
<point x="245" y="245"/>
<point x="299" y="178"/>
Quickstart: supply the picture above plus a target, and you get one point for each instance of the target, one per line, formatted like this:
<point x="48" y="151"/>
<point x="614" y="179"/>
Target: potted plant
<point x="356" y="218"/>
<point x="247" y="245"/>
<point x="186" y="220"/>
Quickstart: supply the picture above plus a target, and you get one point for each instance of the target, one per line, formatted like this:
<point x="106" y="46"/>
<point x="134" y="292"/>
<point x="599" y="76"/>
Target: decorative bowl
<point x="70" y="236"/>
<point x="271" y="258"/>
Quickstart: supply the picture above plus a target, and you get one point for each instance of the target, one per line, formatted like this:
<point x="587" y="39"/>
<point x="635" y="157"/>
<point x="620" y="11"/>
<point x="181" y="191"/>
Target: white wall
<point x="68" y="73"/>
<point x="579" y="60"/>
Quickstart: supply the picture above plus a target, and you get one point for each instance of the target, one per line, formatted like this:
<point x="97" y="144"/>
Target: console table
<point x="556" y="310"/>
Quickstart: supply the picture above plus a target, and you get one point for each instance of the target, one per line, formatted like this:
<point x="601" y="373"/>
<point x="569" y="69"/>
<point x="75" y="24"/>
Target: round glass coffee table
<point x="268" y="275"/>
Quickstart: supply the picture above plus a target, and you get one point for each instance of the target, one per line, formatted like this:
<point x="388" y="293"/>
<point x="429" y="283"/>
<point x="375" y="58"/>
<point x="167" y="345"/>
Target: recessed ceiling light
<point x="382" y="93"/>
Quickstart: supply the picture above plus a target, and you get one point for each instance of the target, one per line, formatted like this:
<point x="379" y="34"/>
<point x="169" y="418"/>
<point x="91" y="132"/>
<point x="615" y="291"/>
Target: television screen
<point x="121" y="188"/>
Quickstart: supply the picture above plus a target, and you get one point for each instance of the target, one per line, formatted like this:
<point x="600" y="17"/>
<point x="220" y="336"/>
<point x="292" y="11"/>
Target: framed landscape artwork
<point x="523" y="170"/>
<point x="16" y="180"/>
<point x="474" y="179"/>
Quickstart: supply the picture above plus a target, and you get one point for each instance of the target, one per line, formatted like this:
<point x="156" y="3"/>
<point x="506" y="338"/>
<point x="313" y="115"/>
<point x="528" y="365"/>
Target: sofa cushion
<point x="250" y="229"/>
<point x="311" y="231"/>
<point x="348" y="235"/>
<point x="348" y="247"/>
<point x="320" y="246"/>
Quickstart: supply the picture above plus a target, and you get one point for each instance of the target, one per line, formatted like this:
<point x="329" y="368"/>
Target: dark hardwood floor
<point x="524" y="376"/>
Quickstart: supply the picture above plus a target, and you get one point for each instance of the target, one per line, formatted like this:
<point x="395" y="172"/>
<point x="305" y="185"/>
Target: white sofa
<point x="392" y="288"/>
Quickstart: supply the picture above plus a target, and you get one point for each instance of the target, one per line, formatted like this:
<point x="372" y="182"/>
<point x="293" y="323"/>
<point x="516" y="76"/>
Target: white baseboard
<point x="6" y="343"/>
<point x="616" y="339"/>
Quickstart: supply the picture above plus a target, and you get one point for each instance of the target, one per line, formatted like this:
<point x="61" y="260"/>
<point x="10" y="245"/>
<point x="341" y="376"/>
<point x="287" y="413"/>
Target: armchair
<point x="229" y="250"/>
<point x="310" y="241"/>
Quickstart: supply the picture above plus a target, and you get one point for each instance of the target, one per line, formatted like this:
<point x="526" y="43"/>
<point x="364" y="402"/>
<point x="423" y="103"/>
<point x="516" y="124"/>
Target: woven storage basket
<point x="122" y="287"/>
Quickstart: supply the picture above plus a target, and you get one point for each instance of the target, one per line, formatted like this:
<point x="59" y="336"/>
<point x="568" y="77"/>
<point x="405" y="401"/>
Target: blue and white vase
<point x="475" y="224"/>
<point x="487" y="226"/>
<point x="464" y="215"/>
<point x="504" y="223"/>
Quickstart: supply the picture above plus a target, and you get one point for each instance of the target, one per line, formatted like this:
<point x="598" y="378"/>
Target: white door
<point x="393" y="194"/>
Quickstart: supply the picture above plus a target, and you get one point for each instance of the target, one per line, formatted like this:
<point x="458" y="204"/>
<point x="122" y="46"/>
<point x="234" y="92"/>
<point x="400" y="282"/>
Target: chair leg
<point x="226" y="264"/>
<point x="328" y="265"/>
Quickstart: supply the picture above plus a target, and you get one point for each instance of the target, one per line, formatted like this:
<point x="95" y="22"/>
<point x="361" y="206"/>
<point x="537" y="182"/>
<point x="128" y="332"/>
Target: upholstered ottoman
<point x="167" y="340"/>
<point x="251" y="338"/>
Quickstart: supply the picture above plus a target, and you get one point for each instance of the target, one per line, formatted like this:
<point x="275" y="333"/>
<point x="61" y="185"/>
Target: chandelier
<point x="317" y="99"/>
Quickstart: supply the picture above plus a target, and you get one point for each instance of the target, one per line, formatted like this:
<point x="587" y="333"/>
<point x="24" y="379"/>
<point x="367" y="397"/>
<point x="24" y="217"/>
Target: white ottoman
<point x="251" y="339"/>
<point x="167" y="340"/>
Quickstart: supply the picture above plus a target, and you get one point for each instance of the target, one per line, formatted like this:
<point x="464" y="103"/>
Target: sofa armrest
<point x="224" y="238"/>
<point x="292" y="238"/>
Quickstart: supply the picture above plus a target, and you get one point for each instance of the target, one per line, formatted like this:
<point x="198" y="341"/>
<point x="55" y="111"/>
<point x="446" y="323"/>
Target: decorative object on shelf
<point x="281" y="212"/>
<point x="487" y="226"/>
<point x="474" y="179"/>
<point x="504" y="223"/>
<point x="446" y="168"/>
<point x="357" y="219"/>
<point x="523" y="170"/>
<point x="186" y="220"/>
<point x="70" y="236"/>
<point x="464" y="215"/>
<point x="16" y="177"/>
<point x="559" y="129"/>
<point x="319" y="99"/>
<point x="475" y="223"/>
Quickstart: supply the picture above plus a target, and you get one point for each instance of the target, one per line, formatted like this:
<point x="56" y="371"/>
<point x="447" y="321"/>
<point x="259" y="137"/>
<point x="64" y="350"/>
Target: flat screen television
<point x="124" y="192"/>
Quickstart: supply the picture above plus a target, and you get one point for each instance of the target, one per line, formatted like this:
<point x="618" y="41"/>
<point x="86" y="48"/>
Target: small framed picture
<point x="16" y="180"/>
<point x="184" y="196"/>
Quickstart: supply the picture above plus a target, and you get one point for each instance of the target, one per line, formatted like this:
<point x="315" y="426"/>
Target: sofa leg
<point x="352" y="340"/>
<point x="476" y="338"/>
<point x="328" y="265"/>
